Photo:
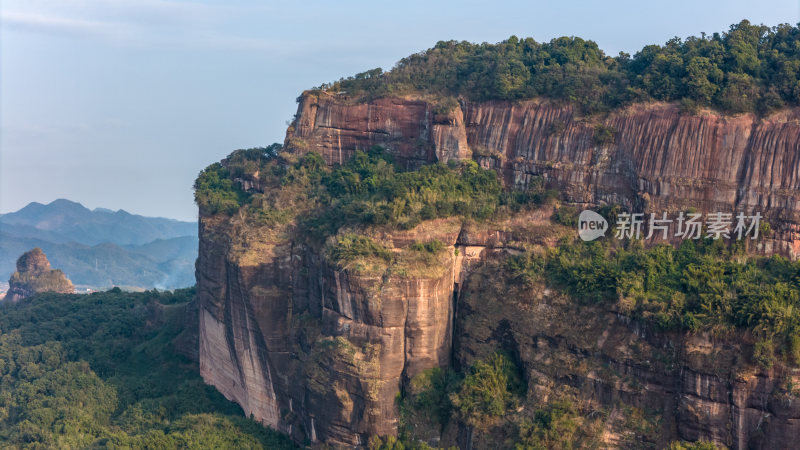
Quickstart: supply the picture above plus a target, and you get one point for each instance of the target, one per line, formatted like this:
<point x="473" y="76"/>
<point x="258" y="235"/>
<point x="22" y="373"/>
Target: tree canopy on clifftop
<point x="749" y="68"/>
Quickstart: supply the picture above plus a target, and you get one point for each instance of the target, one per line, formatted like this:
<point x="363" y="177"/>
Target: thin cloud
<point x="152" y="22"/>
<point x="139" y="33"/>
<point x="151" y="11"/>
<point x="38" y="23"/>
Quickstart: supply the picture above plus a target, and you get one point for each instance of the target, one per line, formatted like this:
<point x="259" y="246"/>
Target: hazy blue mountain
<point x="66" y="221"/>
<point x="101" y="247"/>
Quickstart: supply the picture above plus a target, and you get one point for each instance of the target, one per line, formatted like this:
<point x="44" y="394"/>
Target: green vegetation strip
<point x="704" y="285"/>
<point x="748" y="68"/>
<point x="368" y="189"/>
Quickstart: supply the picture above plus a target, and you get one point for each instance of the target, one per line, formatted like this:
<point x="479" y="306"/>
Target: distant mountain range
<point x="102" y="248"/>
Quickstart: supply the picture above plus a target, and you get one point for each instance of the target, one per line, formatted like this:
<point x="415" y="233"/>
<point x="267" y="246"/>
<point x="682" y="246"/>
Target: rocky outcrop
<point x="658" y="160"/>
<point x="34" y="276"/>
<point x="319" y="350"/>
<point x="311" y="349"/>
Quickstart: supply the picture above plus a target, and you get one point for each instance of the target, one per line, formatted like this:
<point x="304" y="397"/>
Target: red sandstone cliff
<point x="695" y="386"/>
<point x="320" y="351"/>
<point x="313" y="350"/>
<point x="660" y="161"/>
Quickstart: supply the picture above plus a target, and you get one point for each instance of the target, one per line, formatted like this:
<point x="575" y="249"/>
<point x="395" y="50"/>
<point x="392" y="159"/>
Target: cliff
<point x="34" y="275"/>
<point x="689" y="386"/>
<point x="313" y="350"/>
<point x="660" y="160"/>
<point x="319" y="348"/>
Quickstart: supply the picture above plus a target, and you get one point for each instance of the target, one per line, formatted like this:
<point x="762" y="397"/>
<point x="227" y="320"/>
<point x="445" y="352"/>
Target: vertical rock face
<point x="309" y="349"/>
<point x="450" y="136"/>
<point x="34" y="275"/>
<point x="659" y="160"/>
<point x="320" y="352"/>
<point x="701" y="387"/>
<point x="232" y="347"/>
<point x="409" y="129"/>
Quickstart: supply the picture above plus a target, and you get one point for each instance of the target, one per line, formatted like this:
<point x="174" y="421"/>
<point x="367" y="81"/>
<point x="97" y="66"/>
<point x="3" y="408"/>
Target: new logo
<point x="591" y="225"/>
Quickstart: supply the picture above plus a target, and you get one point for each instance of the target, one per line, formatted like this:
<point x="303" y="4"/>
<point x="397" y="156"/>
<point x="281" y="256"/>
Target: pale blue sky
<point x="119" y="103"/>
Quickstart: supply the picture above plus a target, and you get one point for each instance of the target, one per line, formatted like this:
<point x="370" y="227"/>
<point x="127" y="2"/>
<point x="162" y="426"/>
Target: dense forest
<point x="749" y="68"/>
<point x="103" y="370"/>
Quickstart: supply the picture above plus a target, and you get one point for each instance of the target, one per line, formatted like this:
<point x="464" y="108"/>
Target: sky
<point x="120" y="103"/>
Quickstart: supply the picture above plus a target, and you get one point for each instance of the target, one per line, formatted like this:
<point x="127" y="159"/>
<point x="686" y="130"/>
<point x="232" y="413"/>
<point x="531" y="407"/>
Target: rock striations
<point x="320" y="351"/>
<point x="262" y="319"/>
<point x="659" y="160"/>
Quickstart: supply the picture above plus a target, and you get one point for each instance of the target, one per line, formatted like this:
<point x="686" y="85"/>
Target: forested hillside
<point x="103" y="370"/>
